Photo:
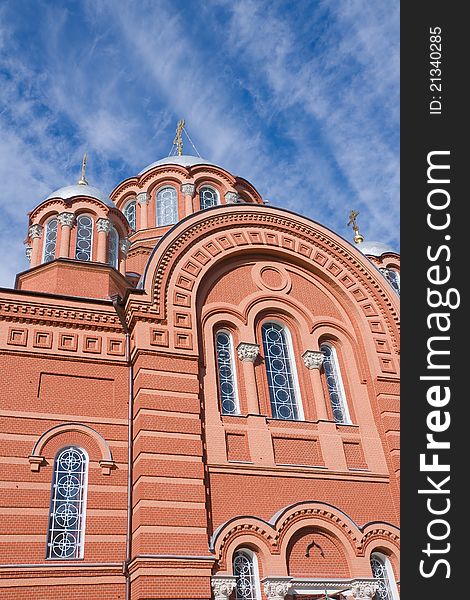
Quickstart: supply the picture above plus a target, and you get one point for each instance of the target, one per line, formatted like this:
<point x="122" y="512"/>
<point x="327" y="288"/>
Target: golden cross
<point x="178" y="141"/>
<point x="82" y="180"/>
<point x="358" y="238"/>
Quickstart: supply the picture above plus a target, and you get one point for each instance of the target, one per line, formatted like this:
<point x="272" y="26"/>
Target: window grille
<point x="84" y="244"/>
<point x="335" y="384"/>
<point x="113" y="241"/>
<point x="207" y="197"/>
<point x="279" y="370"/>
<point x="50" y="240"/>
<point x="130" y="213"/>
<point x="393" y="277"/>
<point x="67" y="515"/>
<point x="380" y="572"/>
<point x="246" y="576"/>
<point x="226" y="373"/>
<point x="167" y="206"/>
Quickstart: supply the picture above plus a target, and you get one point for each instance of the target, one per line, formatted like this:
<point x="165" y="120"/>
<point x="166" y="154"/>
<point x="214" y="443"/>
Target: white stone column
<point x="232" y="198"/>
<point x="223" y="586"/>
<point x="103" y="226"/>
<point x="35" y="234"/>
<point x="188" y="190"/>
<point x="313" y="360"/>
<point x="143" y="200"/>
<point x="66" y="220"/>
<point x="276" y="588"/>
<point x="124" y="248"/>
<point x="247" y="353"/>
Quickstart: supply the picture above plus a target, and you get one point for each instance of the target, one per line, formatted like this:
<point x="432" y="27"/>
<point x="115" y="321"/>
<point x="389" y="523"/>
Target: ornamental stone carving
<point x="124" y="245"/>
<point x="313" y="359"/>
<point x="103" y="225"/>
<point x="35" y="231"/>
<point x="247" y="352"/>
<point x="276" y="588"/>
<point x="66" y="219"/>
<point x="188" y="188"/>
<point x="223" y="586"/>
<point x="232" y="198"/>
<point x="364" y="590"/>
<point x="28" y="252"/>
<point x="143" y="198"/>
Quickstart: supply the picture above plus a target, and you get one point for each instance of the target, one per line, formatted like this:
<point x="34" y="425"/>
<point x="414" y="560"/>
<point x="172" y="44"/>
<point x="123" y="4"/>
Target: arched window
<point x="335" y="384"/>
<point x="393" y="277"/>
<point x="282" y="382"/>
<point x="167" y="206"/>
<point x="113" y="241"/>
<point x="245" y="569"/>
<point x="129" y="213"/>
<point x="226" y="373"/>
<point x="68" y="500"/>
<point x="50" y="240"/>
<point x="84" y="243"/>
<point x="383" y="574"/>
<point x="208" y="197"/>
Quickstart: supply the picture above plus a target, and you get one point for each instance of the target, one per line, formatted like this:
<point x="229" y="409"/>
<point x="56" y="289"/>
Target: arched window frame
<point x="293" y="368"/>
<point x="255" y="593"/>
<point x="392" y="593"/>
<point x="339" y="383"/>
<point x="47" y="231"/>
<point x="92" y="229"/>
<point x="113" y="247"/>
<point x="55" y="502"/>
<point x="203" y="187"/>
<point x="393" y="280"/>
<point x="130" y="212"/>
<point x="174" y="206"/>
<point x="234" y="371"/>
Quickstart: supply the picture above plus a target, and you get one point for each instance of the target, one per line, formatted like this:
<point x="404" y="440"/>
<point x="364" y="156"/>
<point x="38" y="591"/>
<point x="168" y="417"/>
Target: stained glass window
<point x="381" y="574"/>
<point x="226" y="373"/>
<point x="113" y="241"/>
<point x="50" y="240"/>
<point x="67" y="515"/>
<point x="246" y="576"/>
<point x="279" y="369"/>
<point x="129" y="213"/>
<point x="167" y="206"/>
<point x="84" y="243"/>
<point x="335" y="384"/>
<point x="207" y="197"/>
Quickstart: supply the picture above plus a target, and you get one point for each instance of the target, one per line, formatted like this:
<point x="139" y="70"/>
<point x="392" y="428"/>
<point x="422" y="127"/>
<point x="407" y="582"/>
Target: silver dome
<point x="89" y="191"/>
<point x="185" y="161"/>
<point x="375" y="248"/>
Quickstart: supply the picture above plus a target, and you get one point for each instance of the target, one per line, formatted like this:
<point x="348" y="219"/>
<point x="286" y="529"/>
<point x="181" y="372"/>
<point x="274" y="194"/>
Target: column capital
<point x="103" y="225"/>
<point x="66" y="219"/>
<point x="124" y="245"/>
<point x="232" y="198"/>
<point x="313" y="359"/>
<point x="276" y="588"/>
<point x="247" y="351"/>
<point x="28" y="251"/>
<point x="223" y="586"/>
<point x="35" y="231"/>
<point x="143" y="198"/>
<point x="188" y="189"/>
<point x="364" y="590"/>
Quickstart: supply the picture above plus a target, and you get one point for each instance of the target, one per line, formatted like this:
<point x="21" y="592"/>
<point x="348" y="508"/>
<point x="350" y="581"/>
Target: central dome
<point x="185" y="161"/>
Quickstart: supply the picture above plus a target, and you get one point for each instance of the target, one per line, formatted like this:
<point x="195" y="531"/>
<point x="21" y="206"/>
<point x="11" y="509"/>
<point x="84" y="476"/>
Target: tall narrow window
<point x="129" y="213"/>
<point x="381" y="569"/>
<point x="84" y="244"/>
<point x="207" y="197"/>
<point x="50" y="240"/>
<point x="393" y="277"/>
<point x="167" y="206"/>
<point x="113" y="244"/>
<point x="245" y="571"/>
<point x="68" y="498"/>
<point x="226" y="373"/>
<point x="280" y="372"/>
<point x="335" y="384"/>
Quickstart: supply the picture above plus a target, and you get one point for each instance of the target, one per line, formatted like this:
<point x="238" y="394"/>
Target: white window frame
<point x="160" y="189"/>
<point x="46" y="225"/>
<point x="113" y="232"/>
<point x="234" y="374"/>
<point x="126" y="206"/>
<point x="213" y="189"/>
<point x="389" y="570"/>
<point x="254" y="560"/>
<point x="340" y="384"/>
<point x="91" y="239"/>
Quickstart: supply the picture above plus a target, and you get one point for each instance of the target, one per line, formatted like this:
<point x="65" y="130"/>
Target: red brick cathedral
<point x="200" y="399"/>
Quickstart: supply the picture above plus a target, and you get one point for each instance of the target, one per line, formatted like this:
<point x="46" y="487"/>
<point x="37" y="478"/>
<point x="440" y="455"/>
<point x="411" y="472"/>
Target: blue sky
<point x="300" y="98"/>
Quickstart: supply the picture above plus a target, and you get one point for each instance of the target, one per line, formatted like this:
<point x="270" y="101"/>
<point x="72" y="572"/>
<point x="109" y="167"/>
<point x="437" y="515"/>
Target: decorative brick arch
<point x="36" y="458"/>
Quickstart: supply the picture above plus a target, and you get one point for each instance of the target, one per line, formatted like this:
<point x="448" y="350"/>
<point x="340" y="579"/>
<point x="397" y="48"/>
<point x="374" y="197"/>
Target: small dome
<point x="89" y="191"/>
<point x="375" y="248"/>
<point x="185" y="161"/>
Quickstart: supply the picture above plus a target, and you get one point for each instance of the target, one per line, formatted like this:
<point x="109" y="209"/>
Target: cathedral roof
<point x="185" y="161"/>
<point x="69" y="191"/>
<point x="373" y="248"/>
